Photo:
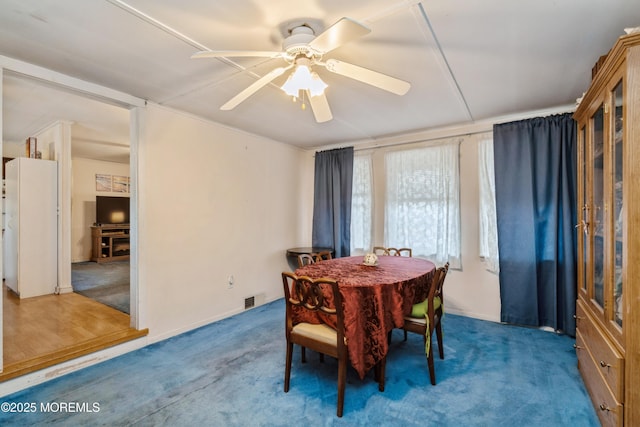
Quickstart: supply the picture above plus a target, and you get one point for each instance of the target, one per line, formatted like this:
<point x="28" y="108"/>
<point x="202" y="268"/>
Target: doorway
<point x="38" y="103"/>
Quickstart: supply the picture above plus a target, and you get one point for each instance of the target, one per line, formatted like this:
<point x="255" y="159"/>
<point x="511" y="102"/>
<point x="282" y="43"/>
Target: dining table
<point x="376" y="299"/>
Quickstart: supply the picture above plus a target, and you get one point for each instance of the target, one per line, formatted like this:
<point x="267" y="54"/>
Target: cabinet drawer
<point x="609" y="410"/>
<point x="608" y="360"/>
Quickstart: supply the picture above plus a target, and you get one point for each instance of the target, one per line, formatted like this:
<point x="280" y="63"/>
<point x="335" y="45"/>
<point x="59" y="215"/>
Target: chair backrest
<point x="381" y="250"/>
<point x="321" y="256"/>
<point x="314" y="295"/>
<point x="305" y="259"/>
<point x="400" y="252"/>
<point x="436" y="289"/>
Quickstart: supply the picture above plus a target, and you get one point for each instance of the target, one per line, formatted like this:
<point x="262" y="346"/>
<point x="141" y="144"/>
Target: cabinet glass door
<point x="617" y="202"/>
<point x="583" y="219"/>
<point x="597" y="211"/>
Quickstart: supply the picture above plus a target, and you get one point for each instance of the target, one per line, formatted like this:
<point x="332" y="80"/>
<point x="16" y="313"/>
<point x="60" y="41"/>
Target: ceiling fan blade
<point x="373" y="78"/>
<point x="343" y="31"/>
<point x="235" y="54"/>
<point x="320" y="107"/>
<point x="254" y="87"/>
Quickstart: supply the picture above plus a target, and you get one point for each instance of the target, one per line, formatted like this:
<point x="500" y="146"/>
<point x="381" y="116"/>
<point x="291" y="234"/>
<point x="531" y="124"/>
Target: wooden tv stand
<point x="110" y="243"/>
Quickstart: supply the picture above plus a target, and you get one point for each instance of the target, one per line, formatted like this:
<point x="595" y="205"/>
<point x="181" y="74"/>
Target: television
<point x="112" y="210"/>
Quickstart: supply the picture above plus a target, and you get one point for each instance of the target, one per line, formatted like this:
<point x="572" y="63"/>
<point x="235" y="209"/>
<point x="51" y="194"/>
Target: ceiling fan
<point x="302" y="50"/>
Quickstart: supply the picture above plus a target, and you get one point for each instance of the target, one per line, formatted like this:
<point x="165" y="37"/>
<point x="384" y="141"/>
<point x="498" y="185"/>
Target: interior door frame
<point x="103" y="94"/>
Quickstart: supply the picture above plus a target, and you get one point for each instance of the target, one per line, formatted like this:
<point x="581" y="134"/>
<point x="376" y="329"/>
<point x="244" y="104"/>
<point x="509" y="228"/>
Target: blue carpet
<point x="230" y="373"/>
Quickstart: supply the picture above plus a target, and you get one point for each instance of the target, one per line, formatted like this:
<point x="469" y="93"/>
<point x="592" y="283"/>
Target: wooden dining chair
<point x="426" y="317"/>
<point x="400" y="252"/>
<point x="323" y="296"/>
<point x="305" y="259"/>
<point x="381" y="250"/>
<point x="322" y="256"/>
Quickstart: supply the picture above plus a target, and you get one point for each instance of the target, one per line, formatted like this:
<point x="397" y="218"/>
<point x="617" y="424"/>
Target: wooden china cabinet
<point x="608" y="305"/>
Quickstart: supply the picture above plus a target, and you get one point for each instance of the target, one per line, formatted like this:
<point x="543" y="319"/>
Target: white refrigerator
<point x="31" y="228"/>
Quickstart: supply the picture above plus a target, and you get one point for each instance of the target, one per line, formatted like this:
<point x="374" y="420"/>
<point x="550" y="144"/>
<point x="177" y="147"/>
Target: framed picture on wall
<point x="103" y="182"/>
<point x="120" y="184"/>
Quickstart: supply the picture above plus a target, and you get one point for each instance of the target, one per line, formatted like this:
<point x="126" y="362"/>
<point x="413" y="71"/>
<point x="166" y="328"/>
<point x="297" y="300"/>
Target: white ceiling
<point x="466" y="60"/>
<point x="99" y="130"/>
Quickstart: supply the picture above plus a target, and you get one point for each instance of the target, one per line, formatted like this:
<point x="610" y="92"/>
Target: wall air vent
<point x="253" y="301"/>
<point x="249" y="302"/>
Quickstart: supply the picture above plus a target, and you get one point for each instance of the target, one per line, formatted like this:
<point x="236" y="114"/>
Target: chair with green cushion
<point x="425" y="318"/>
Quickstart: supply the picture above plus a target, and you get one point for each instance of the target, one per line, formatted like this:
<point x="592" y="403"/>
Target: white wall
<point x="13" y="149"/>
<point x="213" y="202"/>
<point x="83" y="201"/>
<point x="472" y="291"/>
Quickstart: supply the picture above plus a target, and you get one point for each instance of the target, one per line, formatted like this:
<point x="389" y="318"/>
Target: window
<point x="361" y="204"/>
<point x="422" y="209"/>
<point x="487" y="205"/>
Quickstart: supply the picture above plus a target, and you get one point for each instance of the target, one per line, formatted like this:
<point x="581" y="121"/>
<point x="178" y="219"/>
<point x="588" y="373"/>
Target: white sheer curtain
<point x="487" y="210"/>
<point x="361" y="204"/>
<point x="422" y="209"/>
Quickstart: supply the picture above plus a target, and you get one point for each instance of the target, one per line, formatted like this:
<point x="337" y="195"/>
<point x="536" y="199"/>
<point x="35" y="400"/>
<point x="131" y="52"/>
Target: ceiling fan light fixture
<point x="303" y="79"/>
<point x="317" y="85"/>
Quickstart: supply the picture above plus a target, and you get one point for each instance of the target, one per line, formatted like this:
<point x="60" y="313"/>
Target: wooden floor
<point x="43" y="331"/>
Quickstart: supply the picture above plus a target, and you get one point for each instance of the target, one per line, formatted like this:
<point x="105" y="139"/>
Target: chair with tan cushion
<point x="426" y="316"/>
<point x="318" y="296"/>
<point x="306" y="259"/>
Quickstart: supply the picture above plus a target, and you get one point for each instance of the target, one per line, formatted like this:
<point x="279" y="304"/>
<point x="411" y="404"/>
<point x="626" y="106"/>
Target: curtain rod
<point x="419" y="140"/>
<point x="457" y="131"/>
<point x="399" y="144"/>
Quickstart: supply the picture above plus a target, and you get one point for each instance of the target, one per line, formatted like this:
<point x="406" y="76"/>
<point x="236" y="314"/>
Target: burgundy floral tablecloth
<point x="376" y="300"/>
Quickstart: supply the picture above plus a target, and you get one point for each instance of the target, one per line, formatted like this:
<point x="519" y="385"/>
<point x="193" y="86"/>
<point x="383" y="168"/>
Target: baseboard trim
<point x="470" y="314"/>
